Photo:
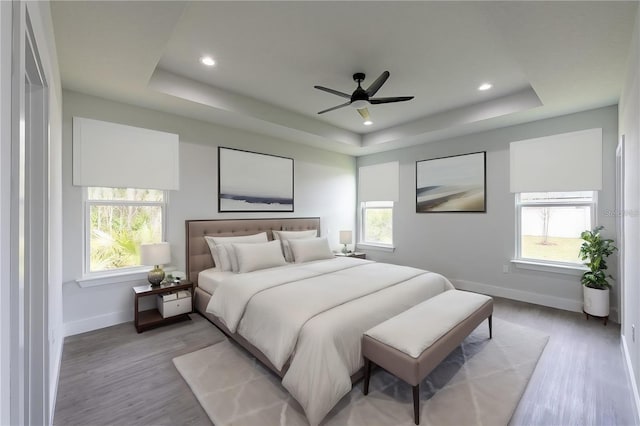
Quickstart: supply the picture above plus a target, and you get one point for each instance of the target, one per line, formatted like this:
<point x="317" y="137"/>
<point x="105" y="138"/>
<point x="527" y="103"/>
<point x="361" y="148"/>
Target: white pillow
<point x="291" y="235"/>
<point x="214" y="251"/>
<point x="306" y="250"/>
<point x="252" y="257"/>
<point x="222" y="251"/>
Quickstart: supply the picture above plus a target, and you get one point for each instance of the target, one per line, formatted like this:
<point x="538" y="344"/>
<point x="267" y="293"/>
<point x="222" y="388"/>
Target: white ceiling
<point x="543" y="58"/>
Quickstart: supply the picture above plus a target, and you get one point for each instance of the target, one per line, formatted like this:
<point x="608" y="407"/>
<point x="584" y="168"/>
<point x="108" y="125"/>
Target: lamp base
<point x="155" y="276"/>
<point x="345" y="250"/>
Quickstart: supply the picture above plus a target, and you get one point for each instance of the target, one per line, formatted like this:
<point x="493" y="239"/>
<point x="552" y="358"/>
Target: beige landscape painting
<point x="451" y="184"/>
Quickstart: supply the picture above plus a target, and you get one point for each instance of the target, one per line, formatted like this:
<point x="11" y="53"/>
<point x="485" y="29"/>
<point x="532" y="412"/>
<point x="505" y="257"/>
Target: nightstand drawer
<point x="170" y="308"/>
<point x="174" y="304"/>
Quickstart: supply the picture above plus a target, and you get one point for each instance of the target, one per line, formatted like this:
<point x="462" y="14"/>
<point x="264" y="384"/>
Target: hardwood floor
<point x="115" y="376"/>
<point x="580" y="378"/>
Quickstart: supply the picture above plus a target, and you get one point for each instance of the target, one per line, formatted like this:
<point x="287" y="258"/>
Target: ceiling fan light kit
<point x="360" y="99"/>
<point x="207" y="60"/>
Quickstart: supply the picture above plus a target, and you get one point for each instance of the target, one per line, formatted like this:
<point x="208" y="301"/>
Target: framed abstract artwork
<point x="454" y="184"/>
<point x="253" y="182"/>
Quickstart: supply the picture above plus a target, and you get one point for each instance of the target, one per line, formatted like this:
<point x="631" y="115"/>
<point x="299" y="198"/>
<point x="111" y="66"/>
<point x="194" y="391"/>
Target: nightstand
<point x="352" y="254"/>
<point x="144" y="320"/>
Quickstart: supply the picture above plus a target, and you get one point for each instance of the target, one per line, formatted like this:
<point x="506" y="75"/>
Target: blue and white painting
<point x="451" y="184"/>
<point x="250" y="181"/>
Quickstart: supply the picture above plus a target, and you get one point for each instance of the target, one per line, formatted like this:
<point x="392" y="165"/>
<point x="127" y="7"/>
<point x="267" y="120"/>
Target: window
<point x="377" y="223"/>
<point x="118" y="220"/>
<point x="550" y="224"/>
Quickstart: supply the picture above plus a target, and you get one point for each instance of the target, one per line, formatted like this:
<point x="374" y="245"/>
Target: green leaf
<point x="594" y="250"/>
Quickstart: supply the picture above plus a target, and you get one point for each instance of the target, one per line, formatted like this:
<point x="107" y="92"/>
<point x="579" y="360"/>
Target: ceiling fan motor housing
<point x="360" y="97"/>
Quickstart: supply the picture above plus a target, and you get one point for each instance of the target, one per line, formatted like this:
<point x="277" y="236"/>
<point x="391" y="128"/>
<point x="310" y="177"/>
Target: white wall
<point x="629" y="115"/>
<point x="472" y="248"/>
<point x="324" y="187"/>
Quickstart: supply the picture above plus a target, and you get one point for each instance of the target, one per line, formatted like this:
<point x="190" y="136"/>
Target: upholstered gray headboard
<point x="198" y="255"/>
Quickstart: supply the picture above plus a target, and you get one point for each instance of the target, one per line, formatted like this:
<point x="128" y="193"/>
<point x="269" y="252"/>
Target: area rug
<point x="480" y="383"/>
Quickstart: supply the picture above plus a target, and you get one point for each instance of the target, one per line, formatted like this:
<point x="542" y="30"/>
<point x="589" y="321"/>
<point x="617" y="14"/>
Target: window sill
<point x="130" y="275"/>
<point x="379" y="247"/>
<point x="557" y="268"/>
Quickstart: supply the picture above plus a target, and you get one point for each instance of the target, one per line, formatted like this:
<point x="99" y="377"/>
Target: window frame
<point x="531" y="263"/>
<point x="362" y="231"/>
<point x="87" y="203"/>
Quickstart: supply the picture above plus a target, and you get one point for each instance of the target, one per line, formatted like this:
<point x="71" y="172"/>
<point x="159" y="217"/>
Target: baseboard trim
<point x="54" y="389"/>
<point x="94" y="323"/>
<point x="631" y="376"/>
<point x="523" y="296"/>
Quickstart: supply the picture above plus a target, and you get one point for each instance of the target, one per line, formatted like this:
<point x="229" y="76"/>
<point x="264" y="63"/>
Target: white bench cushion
<point x="417" y="328"/>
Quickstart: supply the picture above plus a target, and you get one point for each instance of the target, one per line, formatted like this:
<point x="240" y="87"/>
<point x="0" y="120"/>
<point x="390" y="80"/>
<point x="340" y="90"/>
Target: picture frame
<point x="454" y="184"/>
<point x="254" y="182"/>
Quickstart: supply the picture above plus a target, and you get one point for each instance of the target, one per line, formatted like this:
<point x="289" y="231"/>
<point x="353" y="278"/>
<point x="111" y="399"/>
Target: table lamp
<point x="345" y="238"/>
<point x="155" y="254"/>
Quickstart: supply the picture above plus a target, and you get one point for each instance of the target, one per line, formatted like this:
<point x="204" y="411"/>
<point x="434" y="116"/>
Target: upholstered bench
<point x="411" y="344"/>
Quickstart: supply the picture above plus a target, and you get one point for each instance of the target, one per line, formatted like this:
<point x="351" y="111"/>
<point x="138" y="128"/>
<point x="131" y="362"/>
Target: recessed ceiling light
<point x="485" y="86"/>
<point x="368" y="123"/>
<point x="207" y="60"/>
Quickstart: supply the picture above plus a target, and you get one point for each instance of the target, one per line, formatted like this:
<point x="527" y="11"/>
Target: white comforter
<point x="314" y="315"/>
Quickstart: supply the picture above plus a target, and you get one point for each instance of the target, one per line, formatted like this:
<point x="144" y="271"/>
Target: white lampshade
<point x="345" y="237"/>
<point x="155" y="254"/>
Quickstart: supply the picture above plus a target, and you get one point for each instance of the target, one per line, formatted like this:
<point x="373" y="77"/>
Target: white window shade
<point x="565" y="162"/>
<point x="379" y="182"/>
<point x="118" y="156"/>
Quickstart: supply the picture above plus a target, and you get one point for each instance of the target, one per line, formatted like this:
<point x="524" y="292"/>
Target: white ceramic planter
<point x="596" y="301"/>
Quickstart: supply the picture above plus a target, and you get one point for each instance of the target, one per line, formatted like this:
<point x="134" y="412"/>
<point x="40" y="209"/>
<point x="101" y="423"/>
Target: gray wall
<point x="629" y="114"/>
<point x="472" y="249"/>
<point x="324" y="186"/>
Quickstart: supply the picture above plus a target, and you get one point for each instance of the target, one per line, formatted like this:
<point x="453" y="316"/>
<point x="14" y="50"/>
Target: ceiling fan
<point x="361" y="98"/>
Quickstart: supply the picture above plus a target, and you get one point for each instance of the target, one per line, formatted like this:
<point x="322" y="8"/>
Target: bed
<point x="314" y="344"/>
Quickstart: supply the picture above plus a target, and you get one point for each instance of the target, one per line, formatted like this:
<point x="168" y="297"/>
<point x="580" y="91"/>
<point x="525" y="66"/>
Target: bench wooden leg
<point x="490" y="326"/>
<point x="416" y="404"/>
<point x="367" y="375"/>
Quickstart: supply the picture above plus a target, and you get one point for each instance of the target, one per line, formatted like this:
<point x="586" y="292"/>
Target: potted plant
<point x="594" y="251"/>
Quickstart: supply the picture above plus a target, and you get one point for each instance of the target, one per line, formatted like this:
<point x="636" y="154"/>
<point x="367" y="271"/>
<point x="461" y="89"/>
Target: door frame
<point x="620" y="217"/>
<point x="6" y="37"/>
<point x="29" y="235"/>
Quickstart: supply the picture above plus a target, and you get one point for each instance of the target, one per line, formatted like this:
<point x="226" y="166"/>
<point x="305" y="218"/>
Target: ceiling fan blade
<point x="335" y="107"/>
<point x="333" y="92"/>
<point x="364" y="112"/>
<point x="389" y="100"/>
<point x="376" y="85"/>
